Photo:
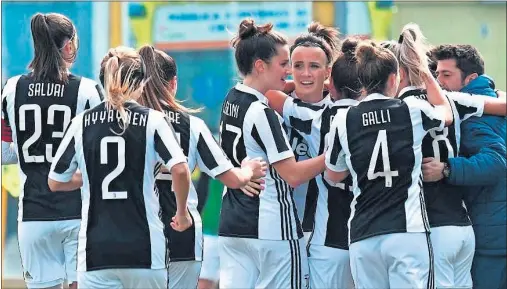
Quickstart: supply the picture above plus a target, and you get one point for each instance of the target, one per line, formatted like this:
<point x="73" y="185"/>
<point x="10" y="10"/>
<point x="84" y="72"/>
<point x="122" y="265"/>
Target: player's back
<point x="121" y="226"/>
<point x="38" y="113"/>
<point x="446" y="208"/>
<point x="382" y="139"/>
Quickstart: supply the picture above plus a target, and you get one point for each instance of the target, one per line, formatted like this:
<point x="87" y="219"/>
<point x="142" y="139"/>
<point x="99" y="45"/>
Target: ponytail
<point x="412" y="53"/>
<point x="124" y="80"/>
<point x="160" y="70"/>
<point x="48" y="63"/>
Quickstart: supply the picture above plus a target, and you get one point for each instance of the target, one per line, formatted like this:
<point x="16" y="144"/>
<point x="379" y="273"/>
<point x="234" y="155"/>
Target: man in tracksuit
<point x="480" y="170"/>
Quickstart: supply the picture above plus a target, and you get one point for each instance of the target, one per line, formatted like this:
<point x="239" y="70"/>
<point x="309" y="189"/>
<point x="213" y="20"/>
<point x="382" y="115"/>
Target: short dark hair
<point x="255" y="42"/>
<point x="468" y="59"/>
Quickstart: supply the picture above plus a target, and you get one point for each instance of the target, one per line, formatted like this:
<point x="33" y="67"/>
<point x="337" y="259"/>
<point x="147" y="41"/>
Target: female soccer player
<point x="260" y="238"/>
<point x="36" y="110"/>
<point x="452" y="235"/>
<point x="117" y="146"/>
<point x="200" y="148"/>
<point x="379" y="142"/>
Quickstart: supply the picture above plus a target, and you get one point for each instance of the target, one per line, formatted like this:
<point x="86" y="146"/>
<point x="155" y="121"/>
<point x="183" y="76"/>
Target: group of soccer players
<point x="322" y="175"/>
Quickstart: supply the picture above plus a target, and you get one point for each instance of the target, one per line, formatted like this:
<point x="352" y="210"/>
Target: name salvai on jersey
<point x="35" y="114"/>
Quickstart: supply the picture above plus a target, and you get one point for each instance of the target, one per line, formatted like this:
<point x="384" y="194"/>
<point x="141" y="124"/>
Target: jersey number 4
<point x="120" y="142"/>
<point x="381" y="145"/>
<point x="36" y="109"/>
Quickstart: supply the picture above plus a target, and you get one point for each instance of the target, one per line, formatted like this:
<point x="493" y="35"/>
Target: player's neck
<point x="255" y="84"/>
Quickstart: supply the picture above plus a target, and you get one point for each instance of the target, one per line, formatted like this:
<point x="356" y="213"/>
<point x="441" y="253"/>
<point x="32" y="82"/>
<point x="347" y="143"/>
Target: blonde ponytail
<point x="123" y="81"/>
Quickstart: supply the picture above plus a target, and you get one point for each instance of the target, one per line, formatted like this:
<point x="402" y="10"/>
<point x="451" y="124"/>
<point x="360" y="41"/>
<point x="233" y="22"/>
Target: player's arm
<point x="274" y="142"/>
<point x="469" y="105"/>
<point x="212" y="160"/>
<point x="169" y="152"/>
<point x="62" y="175"/>
<point x="336" y="167"/>
<point x="436" y="97"/>
<point x="276" y="100"/>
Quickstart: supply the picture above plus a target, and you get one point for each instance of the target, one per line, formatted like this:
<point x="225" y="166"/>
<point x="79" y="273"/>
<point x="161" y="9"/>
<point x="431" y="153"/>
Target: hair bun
<point x="247" y="28"/>
<point x="365" y="52"/>
<point x="349" y="46"/>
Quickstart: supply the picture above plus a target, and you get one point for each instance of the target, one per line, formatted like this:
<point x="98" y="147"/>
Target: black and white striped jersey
<point x="305" y="193"/>
<point x="379" y="142"/>
<point x="203" y="151"/>
<point x="248" y="127"/>
<point x="446" y="209"/>
<point x="37" y="114"/>
<point x="123" y="221"/>
<point x="328" y="206"/>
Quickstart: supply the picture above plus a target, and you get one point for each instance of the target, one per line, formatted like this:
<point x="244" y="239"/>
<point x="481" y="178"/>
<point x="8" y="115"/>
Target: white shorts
<point x="184" y="274"/>
<point x="48" y="252"/>
<point x="399" y="260"/>
<point x="329" y="268"/>
<point x="210" y="269"/>
<point x="454" y="248"/>
<point x="123" y="278"/>
<point x="254" y="263"/>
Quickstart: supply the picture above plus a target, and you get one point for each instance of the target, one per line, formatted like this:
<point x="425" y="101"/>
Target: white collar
<point x="345" y="102"/>
<point x="408" y="88"/>
<point x="241" y="87"/>
<point x="375" y="96"/>
<point x="325" y="100"/>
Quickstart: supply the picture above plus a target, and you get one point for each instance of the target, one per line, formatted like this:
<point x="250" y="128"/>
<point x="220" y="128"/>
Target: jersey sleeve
<point x="431" y="117"/>
<point x="167" y="149"/>
<point x="335" y="156"/>
<point x="299" y="115"/>
<point x="7" y="93"/>
<point x="64" y="164"/>
<point x="90" y="94"/>
<point x="467" y="105"/>
<point x="270" y="135"/>
<point x="211" y="159"/>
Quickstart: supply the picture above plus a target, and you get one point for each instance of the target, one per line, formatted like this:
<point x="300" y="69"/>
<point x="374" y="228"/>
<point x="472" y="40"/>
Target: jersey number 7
<point x="381" y="145"/>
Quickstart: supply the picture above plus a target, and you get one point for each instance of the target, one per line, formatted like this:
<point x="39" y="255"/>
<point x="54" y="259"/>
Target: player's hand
<point x="253" y="188"/>
<point x="257" y="165"/>
<point x="181" y="221"/>
<point x="432" y="170"/>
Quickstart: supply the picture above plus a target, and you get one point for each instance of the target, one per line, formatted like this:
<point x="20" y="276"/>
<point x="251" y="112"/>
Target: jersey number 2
<point x="381" y="145"/>
<point x="106" y="194"/>
<point x="38" y="129"/>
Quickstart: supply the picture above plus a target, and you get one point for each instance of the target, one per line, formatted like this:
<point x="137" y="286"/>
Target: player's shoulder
<point x="11" y="83"/>
<point x="89" y="86"/>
